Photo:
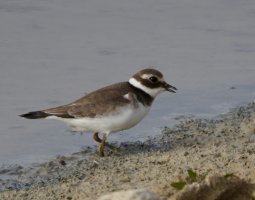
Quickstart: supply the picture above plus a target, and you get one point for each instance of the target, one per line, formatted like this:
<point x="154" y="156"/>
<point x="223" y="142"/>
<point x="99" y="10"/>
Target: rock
<point x="217" y="187"/>
<point x="141" y="194"/>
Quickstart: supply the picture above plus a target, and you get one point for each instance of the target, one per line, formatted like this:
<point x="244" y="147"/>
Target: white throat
<point x="153" y="92"/>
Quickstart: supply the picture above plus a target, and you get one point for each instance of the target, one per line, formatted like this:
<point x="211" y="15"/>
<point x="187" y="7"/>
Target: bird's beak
<point x="169" y="88"/>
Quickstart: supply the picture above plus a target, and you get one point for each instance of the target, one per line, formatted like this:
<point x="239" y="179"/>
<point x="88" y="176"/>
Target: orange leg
<point x="97" y="138"/>
<point x="102" y="143"/>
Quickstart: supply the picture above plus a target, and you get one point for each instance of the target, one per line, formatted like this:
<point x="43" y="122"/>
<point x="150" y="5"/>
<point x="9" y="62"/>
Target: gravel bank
<point x="223" y="145"/>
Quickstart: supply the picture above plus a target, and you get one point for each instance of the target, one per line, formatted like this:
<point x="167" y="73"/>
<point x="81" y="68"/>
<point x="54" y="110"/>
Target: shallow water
<point x="53" y="52"/>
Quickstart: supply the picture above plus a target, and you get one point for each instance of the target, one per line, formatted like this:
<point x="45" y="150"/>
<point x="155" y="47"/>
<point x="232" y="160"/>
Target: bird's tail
<point x="35" y="115"/>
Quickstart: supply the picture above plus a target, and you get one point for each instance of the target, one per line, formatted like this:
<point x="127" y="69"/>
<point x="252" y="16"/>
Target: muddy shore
<point x="219" y="146"/>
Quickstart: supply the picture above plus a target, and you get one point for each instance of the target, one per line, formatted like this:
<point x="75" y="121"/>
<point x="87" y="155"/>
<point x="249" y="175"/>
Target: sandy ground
<point x="220" y="146"/>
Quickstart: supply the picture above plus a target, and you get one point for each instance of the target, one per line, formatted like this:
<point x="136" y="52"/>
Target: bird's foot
<point x="114" y="149"/>
<point x="102" y="144"/>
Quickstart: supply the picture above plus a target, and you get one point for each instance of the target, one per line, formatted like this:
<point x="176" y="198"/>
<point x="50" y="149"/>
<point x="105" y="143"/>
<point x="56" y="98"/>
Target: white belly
<point x="124" y="118"/>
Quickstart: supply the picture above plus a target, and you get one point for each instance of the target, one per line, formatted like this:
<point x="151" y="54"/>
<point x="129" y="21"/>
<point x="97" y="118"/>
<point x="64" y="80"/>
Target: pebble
<point x="141" y="194"/>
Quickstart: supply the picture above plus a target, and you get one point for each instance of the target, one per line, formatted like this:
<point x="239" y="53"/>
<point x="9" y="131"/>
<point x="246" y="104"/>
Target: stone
<point x="141" y="194"/>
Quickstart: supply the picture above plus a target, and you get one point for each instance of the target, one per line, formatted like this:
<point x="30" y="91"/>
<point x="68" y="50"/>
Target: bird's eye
<point x="153" y="79"/>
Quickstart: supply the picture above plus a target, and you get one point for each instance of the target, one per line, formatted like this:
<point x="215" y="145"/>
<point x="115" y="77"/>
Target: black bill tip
<point x="170" y="88"/>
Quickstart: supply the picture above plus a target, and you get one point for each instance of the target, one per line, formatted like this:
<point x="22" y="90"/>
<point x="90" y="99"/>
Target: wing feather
<point x="96" y="103"/>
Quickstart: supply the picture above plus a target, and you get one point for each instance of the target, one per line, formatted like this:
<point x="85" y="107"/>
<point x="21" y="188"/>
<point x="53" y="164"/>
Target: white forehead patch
<point x="147" y="76"/>
<point x="153" y="92"/>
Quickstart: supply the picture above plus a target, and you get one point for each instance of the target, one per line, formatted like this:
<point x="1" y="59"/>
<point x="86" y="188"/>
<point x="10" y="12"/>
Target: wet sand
<point x="218" y="146"/>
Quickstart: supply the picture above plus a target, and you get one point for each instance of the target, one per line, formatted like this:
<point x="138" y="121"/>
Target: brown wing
<point x="104" y="94"/>
<point x="98" y="108"/>
<point x="95" y="103"/>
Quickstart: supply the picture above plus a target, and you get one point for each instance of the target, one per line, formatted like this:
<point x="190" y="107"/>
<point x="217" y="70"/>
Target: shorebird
<point x="112" y="108"/>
